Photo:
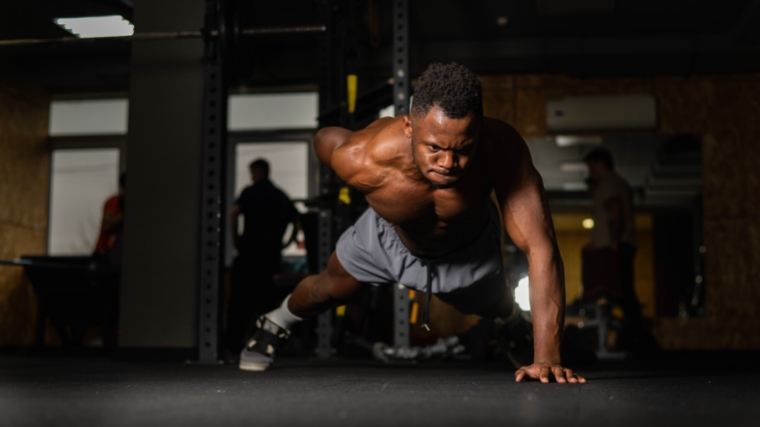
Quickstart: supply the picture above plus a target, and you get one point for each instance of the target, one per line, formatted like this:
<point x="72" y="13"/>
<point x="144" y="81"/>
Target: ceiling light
<point x="97" y="26"/>
<point x="502" y="21"/>
<point x="588" y="223"/>
<point x="573" y="167"/>
<point x="572" y="140"/>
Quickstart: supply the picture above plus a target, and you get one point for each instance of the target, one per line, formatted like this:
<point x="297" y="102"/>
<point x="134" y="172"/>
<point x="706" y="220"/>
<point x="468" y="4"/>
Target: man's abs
<point x="432" y="230"/>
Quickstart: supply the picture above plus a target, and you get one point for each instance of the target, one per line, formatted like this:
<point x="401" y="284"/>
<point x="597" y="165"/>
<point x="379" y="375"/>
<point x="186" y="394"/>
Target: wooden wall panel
<point x="24" y="182"/>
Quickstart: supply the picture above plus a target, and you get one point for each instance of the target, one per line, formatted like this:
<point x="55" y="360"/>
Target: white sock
<point x="282" y="317"/>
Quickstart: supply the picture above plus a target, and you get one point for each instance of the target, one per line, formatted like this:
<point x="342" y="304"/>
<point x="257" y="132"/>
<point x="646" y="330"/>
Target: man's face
<point x="442" y="147"/>
<point x="596" y="169"/>
<point x="257" y="175"/>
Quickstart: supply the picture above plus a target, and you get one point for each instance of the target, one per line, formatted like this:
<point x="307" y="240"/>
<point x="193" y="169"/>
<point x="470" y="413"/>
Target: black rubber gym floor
<point x="71" y="391"/>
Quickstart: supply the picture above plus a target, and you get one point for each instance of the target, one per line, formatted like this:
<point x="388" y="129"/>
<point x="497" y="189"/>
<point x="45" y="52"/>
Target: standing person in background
<point x="613" y="224"/>
<point x="266" y="212"/>
<point x="110" y="239"/>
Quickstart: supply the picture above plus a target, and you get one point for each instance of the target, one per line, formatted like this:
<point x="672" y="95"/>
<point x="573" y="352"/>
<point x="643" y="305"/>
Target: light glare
<point x="588" y="223"/>
<point x="97" y="26"/>
<point x="522" y="294"/>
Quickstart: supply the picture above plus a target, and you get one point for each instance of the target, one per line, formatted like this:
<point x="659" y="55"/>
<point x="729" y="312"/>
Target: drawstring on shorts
<point x="428" y="292"/>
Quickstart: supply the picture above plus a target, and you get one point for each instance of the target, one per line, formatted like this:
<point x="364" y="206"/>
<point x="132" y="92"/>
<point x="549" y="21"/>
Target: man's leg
<point x="505" y="308"/>
<point x="311" y="297"/>
<point x="631" y="306"/>
<point x="318" y="293"/>
<point x="511" y="326"/>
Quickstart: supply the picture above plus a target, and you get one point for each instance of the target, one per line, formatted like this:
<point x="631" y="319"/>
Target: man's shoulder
<point x="615" y="182"/>
<point x="503" y="146"/>
<point x="369" y="152"/>
<point x="501" y="132"/>
<point x="113" y="204"/>
<point x="248" y="192"/>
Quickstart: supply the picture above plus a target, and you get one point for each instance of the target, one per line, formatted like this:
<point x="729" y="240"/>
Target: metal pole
<point x="401" y="104"/>
<point x="401" y="87"/>
<point x="324" y="324"/>
<point x="167" y="35"/>
<point x="212" y="197"/>
<point x="326" y="176"/>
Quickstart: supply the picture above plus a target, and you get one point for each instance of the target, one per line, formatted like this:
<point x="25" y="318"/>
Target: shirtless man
<point x="432" y="224"/>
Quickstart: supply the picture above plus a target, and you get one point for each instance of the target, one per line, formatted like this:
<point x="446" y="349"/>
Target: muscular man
<point x="432" y="224"/>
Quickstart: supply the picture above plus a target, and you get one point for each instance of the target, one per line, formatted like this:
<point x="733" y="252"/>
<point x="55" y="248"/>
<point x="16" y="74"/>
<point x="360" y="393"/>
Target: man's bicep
<point x="527" y="217"/>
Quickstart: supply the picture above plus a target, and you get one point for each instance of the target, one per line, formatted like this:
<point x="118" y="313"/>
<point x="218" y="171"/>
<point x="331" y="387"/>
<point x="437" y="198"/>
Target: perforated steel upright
<point x="401" y="92"/>
<point x="327" y="99"/>
<point x="212" y="218"/>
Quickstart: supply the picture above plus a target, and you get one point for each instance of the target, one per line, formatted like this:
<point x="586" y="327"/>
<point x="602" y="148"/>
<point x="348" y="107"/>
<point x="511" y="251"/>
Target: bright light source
<point x="573" y="167"/>
<point x="389" y="111"/>
<point x="574" y="186"/>
<point x="573" y="140"/>
<point x="97" y="26"/>
<point x="522" y="294"/>
<point x="588" y="223"/>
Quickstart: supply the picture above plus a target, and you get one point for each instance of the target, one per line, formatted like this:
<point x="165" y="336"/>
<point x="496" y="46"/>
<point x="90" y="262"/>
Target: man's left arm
<point x="528" y="221"/>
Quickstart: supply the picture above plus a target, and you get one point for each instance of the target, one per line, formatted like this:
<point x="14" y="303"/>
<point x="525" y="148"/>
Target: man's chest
<point x="402" y="201"/>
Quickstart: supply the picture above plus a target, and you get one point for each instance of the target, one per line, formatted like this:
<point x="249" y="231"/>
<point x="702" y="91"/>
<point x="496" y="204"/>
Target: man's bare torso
<point x="429" y="221"/>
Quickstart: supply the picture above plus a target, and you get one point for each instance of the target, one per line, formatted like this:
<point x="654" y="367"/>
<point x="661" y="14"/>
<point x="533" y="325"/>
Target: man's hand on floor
<point x="545" y="371"/>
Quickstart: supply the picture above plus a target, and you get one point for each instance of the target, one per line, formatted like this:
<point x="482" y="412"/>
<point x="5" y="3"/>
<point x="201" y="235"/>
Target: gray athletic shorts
<point x="471" y="278"/>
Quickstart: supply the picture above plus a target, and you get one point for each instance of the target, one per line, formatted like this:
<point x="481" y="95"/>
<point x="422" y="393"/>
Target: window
<point x="81" y="181"/>
<point x="87" y="138"/>
<point x="272" y="111"/>
<point x="289" y="164"/>
<point x="88" y="117"/>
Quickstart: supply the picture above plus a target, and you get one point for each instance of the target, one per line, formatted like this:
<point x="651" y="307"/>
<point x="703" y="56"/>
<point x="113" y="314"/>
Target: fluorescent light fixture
<point x="522" y="294"/>
<point x="573" y="140"/>
<point x="588" y="223"/>
<point x="573" y="167"/>
<point x="574" y="186"/>
<point x="97" y="26"/>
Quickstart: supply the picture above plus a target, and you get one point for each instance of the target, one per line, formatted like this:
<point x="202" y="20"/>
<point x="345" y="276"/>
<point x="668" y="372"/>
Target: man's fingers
<point x="543" y="375"/>
<point x="581" y="379"/>
<point x="571" y="376"/>
<point x="519" y="375"/>
<point x="559" y="374"/>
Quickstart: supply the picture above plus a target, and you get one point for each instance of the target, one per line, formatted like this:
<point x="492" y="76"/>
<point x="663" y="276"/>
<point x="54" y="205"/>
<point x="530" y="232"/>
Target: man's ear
<point x="408" y="126"/>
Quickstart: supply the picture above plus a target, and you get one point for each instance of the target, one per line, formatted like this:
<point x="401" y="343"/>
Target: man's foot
<point x="258" y="354"/>
<point x="516" y="333"/>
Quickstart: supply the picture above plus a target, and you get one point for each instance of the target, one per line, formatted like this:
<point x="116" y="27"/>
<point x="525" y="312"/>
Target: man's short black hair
<point x="452" y="87"/>
<point x="600" y="155"/>
<point x="261" y="165"/>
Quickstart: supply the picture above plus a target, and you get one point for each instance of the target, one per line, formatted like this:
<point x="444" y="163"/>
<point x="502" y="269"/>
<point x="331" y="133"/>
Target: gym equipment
<point x="73" y="293"/>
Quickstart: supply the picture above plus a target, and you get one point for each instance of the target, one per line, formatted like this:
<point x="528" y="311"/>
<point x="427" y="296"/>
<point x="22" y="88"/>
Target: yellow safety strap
<point x="352" y="83"/>
<point x="344" y="195"/>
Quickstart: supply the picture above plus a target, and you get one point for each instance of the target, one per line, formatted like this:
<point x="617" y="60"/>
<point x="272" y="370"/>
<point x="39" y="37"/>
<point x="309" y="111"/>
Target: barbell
<point x="231" y="36"/>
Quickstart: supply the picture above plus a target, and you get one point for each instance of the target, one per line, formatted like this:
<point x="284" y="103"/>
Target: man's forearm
<point x="547" y="302"/>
